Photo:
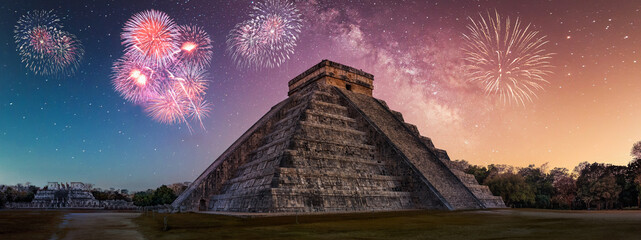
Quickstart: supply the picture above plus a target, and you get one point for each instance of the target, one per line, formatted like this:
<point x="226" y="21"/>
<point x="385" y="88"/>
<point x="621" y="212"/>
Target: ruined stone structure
<point x="73" y="195"/>
<point x="60" y="195"/>
<point x="330" y="146"/>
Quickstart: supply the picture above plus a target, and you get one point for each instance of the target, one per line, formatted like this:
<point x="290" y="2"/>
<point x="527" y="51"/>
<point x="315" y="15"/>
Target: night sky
<point x="78" y="128"/>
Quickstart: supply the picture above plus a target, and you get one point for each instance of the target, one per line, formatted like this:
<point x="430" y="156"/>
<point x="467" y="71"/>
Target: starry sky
<point x="77" y="128"/>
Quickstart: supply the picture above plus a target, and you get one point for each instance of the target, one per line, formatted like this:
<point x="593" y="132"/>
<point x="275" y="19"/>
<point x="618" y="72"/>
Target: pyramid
<point x="332" y="147"/>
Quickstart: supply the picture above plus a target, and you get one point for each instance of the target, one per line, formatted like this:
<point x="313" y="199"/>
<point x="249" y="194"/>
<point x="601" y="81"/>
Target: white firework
<point x="506" y="58"/>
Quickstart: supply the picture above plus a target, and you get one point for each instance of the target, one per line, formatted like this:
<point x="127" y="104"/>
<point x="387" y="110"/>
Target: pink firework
<point x="168" y="108"/>
<point x="136" y="82"/>
<point x="163" y="68"/>
<point x="41" y="39"/>
<point x="150" y="37"/>
<point x="195" y="45"/>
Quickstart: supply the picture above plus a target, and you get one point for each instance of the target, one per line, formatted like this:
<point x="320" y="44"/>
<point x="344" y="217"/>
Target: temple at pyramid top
<point x="332" y="147"/>
<point x="335" y="74"/>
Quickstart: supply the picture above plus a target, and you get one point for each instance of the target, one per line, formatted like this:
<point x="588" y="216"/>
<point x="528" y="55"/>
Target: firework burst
<point x="506" y="58"/>
<point x="43" y="47"/>
<point x="245" y="44"/>
<point x="268" y="39"/>
<point x="150" y="37"/>
<point x="136" y="82"/>
<point x="163" y="68"/>
<point x="67" y="51"/>
<point x="195" y="45"/>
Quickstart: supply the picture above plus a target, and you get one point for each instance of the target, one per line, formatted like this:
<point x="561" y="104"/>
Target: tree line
<point x="588" y="186"/>
<point x="161" y="196"/>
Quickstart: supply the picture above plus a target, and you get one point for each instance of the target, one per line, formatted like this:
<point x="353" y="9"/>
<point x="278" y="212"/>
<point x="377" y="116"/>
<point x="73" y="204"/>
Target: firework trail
<point x="268" y="39"/>
<point x="150" y="37"/>
<point x="168" y="108"/>
<point x="190" y="82"/>
<point x="42" y="45"/>
<point x="195" y="46"/>
<point x="163" y="68"/>
<point x="506" y="58"/>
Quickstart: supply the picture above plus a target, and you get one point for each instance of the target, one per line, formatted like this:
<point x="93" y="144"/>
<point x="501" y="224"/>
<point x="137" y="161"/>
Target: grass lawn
<point x="490" y="224"/>
<point x="26" y="224"/>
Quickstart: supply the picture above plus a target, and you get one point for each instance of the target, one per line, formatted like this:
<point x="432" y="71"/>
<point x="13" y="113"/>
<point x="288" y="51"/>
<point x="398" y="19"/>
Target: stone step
<point x="339" y="134"/>
<point x="268" y="145"/>
<point x="333" y="162"/>
<point x="278" y="133"/>
<point x="324" y="96"/>
<point x="331" y="157"/>
<point x="259" y="165"/>
<point x="336" y="173"/>
<point x="328" y="108"/>
<point x="467" y="179"/>
<point x="331" y="192"/>
<point x="259" y="181"/>
<point x="287" y="121"/>
<point x="329" y="119"/>
<point x="427" y="141"/>
<point x="332" y="148"/>
<point x="413" y="129"/>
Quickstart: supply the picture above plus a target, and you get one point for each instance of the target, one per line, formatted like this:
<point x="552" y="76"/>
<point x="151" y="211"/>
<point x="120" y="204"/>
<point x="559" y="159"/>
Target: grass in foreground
<point x="492" y="224"/>
<point x="18" y="224"/>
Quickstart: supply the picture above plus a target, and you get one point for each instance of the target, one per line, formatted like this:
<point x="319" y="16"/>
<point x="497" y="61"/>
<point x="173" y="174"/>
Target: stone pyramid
<point x="332" y="147"/>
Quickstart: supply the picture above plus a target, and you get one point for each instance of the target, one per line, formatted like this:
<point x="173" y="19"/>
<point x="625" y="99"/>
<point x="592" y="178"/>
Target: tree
<point x="564" y="187"/>
<point x="480" y="173"/>
<point x="541" y="183"/>
<point x="597" y="183"/>
<point x="143" y="198"/>
<point x="637" y="182"/>
<point x="636" y="150"/>
<point x="100" y="195"/>
<point x="3" y="199"/>
<point x="163" y="195"/>
<point x="633" y="180"/>
<point x="513" y="188"/>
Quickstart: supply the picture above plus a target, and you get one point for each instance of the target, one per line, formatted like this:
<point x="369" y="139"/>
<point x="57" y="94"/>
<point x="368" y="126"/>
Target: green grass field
<point x="491" y="224"/>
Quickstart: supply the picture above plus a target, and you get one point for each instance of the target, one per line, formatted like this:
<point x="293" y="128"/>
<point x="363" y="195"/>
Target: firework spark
<point x="43" y="47"/>
<point x="195" y="45"/>
<point x="268" y="39"/>
<point x="150" y="37"/>
<point x="506" y="58"/>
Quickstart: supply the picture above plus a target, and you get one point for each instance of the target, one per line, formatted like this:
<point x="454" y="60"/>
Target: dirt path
<point x="98" y="226"/>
